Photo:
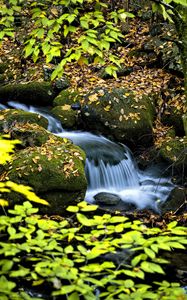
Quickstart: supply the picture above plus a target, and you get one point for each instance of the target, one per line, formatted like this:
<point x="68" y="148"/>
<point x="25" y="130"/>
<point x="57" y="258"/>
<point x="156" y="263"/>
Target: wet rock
<point x="9" y="118"/>
<point x="104" y="198"/>
<point x="66" y="115"/>
<point x="175" y="201"/>
<point x="54" y="167"/>
<point x="117" y="114"/>
<point x="39" y="93"/>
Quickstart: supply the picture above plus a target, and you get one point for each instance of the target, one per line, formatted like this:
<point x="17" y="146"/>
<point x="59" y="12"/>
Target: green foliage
<point x="91" y="25"/>
<point x="77" y="257"/>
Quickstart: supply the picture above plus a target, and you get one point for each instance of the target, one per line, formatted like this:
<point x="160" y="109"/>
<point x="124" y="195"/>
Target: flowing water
<point x="110" y="167"/>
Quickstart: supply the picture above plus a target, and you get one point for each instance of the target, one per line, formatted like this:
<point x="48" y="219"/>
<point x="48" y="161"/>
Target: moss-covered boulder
<point x="66" y="115"/>
<point x="40" y="93"/>
<point x="174" y="151"/>
<point x="9" y="117"/>
<point x="173" y="117"/>
<point x="31" y="135"/>
<point x="119" y="114"/>
<point x="185" y="123"/>
<point x="52" y="168"/>
<point x="3" y="67"/>
<point x="67" y="96"/>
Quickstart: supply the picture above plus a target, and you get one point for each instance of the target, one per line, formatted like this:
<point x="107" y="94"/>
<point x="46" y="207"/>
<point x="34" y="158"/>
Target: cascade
<point x="110" y="167"/>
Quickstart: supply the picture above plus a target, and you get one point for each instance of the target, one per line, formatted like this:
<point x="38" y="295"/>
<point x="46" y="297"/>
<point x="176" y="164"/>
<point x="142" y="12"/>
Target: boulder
<point x="39" y="93"/>
<point x="10" y="117"/>
<point x="53" y="168"/>
<point x="66" y="96"/>
<point x="174" y="151"/>
<point x="175" y="201"/>
<point x="107" y="198"/>
<point x="66" y="115"/>
<point x="31" y="135"/>
<point x="184" y="118"/>
<point x="119" y="115"/>
<point x="174" y="117"/>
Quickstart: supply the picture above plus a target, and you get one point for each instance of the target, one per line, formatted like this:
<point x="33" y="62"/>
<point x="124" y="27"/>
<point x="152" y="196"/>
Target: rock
<point x="62" y="83"/>
<point x="174" y="117"/>
<point x="175" y="201"/>
<point x="57" y="168"/>
<point x="184" y="118"/>
<point x="40" y="93"/>
<point x="9" y="118"/>
<point x="104" y="198"/>
<point x="119" y="115"/>
<point x="3" y="67"/>
<point x="174" y="151"/>
<point x="66" y="96"/>
<point x="66" y="115"/>
<point x="31" y="135"/>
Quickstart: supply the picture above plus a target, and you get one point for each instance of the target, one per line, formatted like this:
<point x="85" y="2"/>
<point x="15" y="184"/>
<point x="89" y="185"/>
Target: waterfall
<point x="110" y="167"/>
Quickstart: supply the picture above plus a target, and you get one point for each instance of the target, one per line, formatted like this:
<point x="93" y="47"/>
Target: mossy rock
<point x="184" y="118"/>
<point x="118" y="114"/>
<point x="9" y="117"/>
<point x="66" y="115"/>
<point x="32" y="135"/>
<point x="174" y="151"/>
<point x="40" y="93"/>
<point x="3" y="67"/>
<point x="57" y="167"/>
<point x="174" y="202"/>
<point x="173" y="117"/>
<point x="66" y="96"/>
<point x="2" y="78"/>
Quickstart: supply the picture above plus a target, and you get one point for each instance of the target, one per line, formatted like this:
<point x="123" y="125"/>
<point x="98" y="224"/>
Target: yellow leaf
<point x="93" y="98"/>
<point x="3" y="202"/>
<point x="66" y="107"/>
<point x="107" y="108"/>
<point x="168" y="148"/>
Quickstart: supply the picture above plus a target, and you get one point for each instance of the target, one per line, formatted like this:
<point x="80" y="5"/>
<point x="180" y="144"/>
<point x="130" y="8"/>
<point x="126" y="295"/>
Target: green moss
<point x="174" y="152"/>
<point x="120" y="114"/>
<point x="66" y="96"/>
<point x="66" y="115"/>
<point x="40" y="93"/>
<point x="9" y="117"/>
<point x="58" y="166"/>
<point x="184" y="118"/>
<point x="3" y="67"/>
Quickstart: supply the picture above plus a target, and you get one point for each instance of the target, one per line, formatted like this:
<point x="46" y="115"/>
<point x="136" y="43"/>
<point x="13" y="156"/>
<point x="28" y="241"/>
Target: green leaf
<point x="73" y="209"/>
<point x="84" y="220"/>
<point x="150" y="253"/>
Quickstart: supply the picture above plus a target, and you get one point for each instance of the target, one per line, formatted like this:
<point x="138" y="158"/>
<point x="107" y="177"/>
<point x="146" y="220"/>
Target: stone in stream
<point x="107" y="198"/>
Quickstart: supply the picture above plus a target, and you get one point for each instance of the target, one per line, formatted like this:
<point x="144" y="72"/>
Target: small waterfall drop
<point x="110" y="167"/>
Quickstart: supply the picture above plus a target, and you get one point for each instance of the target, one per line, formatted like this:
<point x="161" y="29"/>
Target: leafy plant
<point x="85" y="255"/>
<point x="55" y="24"/>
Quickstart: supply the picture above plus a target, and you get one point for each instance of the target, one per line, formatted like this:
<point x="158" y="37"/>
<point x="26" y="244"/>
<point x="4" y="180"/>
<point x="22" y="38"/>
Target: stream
<point x="110" y="167"/>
